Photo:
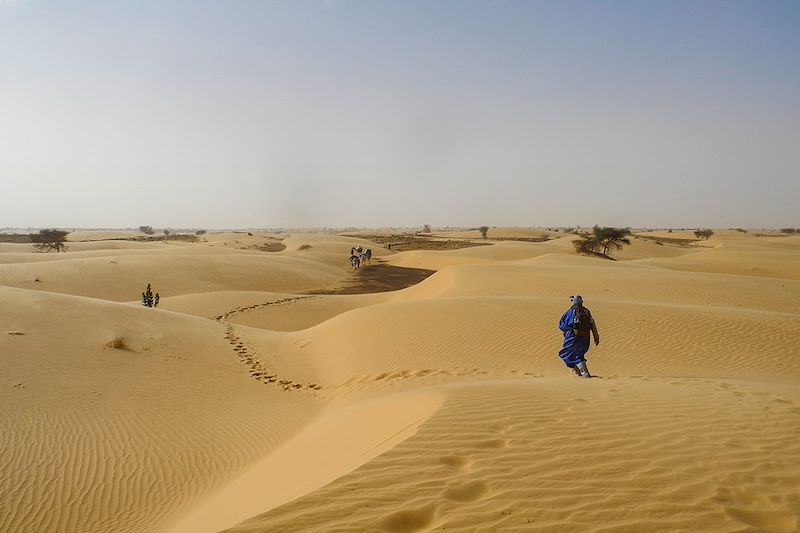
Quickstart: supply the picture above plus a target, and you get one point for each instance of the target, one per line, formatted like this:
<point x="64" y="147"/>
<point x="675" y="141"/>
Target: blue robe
<point x="574" y="349"/>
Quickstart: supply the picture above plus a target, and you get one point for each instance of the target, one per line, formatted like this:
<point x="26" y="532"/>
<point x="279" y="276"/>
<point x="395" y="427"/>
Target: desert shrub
<point x="200" y="232"/>
<point x="304" y="247"/>
<point x="790" y="230"/>
<point x="147" y="230"/>
<point x="148" y="299"/>
<point x="703" y="233"/>
<point x="270" y="247"/>
<point x="484" y="230"/>
<point x="49" y="239"/>
<point x="669" y="230"/>
<point x="167" y="231"/>
<point x="426" y="228"/>
<point x="117" y="343"/>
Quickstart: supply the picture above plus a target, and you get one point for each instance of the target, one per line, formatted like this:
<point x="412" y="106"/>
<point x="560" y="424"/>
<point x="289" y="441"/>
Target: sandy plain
<point x="256" y="398"/>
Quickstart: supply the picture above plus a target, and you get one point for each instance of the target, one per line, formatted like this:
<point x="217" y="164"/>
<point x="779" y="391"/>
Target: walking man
<point x="576" y="324"/>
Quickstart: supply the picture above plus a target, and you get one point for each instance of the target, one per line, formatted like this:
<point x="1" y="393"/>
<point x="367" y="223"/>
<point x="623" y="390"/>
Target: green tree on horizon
<point x="605" y="238"/>
<point x="49" y="239"/>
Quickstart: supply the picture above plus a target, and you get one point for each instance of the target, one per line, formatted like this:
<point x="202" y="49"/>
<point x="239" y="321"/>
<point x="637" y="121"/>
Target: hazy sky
<point x="330" y="113"/>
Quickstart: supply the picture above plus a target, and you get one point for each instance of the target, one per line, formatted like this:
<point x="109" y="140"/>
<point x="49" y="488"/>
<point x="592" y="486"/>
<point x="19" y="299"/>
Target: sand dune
<point x="125" y="277"/>
<point x="97" y="438"/>
<point x="331" y="446"/>
<point x="626" y="454"/>
<point x="247" y="402"/>
<point x="774" y="257"/>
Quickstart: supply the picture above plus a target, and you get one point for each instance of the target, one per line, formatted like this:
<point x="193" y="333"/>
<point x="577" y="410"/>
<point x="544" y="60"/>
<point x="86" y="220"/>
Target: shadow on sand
<point x="379" y="277"/>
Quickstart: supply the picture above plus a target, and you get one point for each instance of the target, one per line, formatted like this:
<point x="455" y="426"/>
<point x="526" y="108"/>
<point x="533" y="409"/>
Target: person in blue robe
<point x="576" y="325"/>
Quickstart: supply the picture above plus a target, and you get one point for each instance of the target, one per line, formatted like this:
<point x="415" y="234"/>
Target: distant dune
<point x="257" y="397"/>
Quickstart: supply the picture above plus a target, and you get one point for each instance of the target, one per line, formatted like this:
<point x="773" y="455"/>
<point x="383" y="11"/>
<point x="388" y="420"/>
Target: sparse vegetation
<point x="269" y="246"/>
<point x="167" y="231"/>
<point x="147" y="230"/>
<point x="790" y="231"/>
<point x="426" y="228"/>
<point x="49" y="239"/>
<point x="148" y="299"/>
<point x="409" y="241"/>
<point x="605" y="239"/>
<point x="703" y="233"/>
<point x="117" y="343"/>
<point x="200" y="232"/>
<point x="484" y="230"/>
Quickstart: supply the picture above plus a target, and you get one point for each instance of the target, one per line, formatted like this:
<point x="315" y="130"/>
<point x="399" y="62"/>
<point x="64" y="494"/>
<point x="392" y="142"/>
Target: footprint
<point x="493" y="443"/>
<point x="778" y="521"/>
<point x="468" y="492"/>
<point x="409" y="520"/>
<point x="455" y="461"/>
<point x="756" y="510"/>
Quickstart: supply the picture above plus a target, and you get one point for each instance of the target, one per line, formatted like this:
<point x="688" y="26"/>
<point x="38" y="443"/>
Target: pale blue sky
<point x="371" y="113"/>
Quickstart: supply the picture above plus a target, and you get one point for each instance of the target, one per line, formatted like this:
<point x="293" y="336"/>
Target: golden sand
<point x="249" y="402"/>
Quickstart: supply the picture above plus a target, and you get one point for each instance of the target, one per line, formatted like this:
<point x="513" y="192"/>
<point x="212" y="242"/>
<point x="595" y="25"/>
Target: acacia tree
<point x="605" y="239"/>
<point x="612" y="238"/>
<point x="703" y="233"/>
<point x="49" y="239"/>
<point x="484" y="230"/>
<point x="587" y="244"/>
<point x="147" y="230"/>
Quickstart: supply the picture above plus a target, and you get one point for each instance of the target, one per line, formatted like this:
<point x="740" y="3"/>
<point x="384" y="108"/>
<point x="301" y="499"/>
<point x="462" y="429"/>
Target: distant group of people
<point x="359" y="256"/>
